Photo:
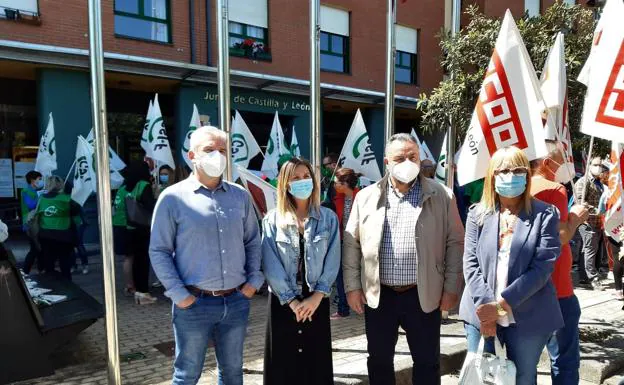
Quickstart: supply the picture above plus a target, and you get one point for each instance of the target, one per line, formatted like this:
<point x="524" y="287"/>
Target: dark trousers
<point x="139" y="241"/>
<point x="80" y="251"/>
<point x="343" y="305"/>
<point x="34" y="254"/>
<point x="54" y="250"/>
<point x="618" y="269"/>
<point x="563" y="345"/>
<point x="423" y="337"/>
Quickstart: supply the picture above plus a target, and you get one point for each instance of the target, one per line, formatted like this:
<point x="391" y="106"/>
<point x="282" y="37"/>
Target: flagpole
<point x="69" y="172"/>
<point x="452" y="131"/>
<point x="98" y="99"/>
<point x="589" y="154"/>
<point x="224" y="80"/>
<point x="315" y="87"/>
<point x="390" y="60"/>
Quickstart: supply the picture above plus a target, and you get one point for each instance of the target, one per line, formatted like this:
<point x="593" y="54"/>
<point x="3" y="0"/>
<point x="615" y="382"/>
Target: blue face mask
<point x="301" y="189"/>
<point x="510" y="185"/>
<point x="39" y="184"/>
<point x="164" y="178"/>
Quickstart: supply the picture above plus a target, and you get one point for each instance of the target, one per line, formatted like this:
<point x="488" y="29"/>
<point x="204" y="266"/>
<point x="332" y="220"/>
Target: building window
<point x="334" y="39"/>
<point x="249" y="28"/>
<point x="532" y="7"/>
<point x="405" y="68"/>
<point x="406" y="62"/>
<point x="143" y="19"/>
<point x="334" y="50"/>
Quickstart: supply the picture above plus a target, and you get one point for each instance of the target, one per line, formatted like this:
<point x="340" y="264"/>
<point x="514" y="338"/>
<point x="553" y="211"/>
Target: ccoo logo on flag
<point x="611" y="110"/>
<point x="496" y="110"/>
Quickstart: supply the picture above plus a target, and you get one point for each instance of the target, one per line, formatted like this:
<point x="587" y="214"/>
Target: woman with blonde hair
<point x="511" y="244"/>
<point x="300" y="260"/>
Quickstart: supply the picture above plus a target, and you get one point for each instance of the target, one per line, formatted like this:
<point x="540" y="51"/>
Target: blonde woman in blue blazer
<point x="511" y="244"/>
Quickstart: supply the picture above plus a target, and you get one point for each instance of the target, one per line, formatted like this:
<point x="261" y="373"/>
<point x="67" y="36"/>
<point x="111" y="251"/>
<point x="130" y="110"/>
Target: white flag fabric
<point x="84" y="173"/>
<point x="46" y="156"/>
<point x="610" y="9"/>
<point x="157" y="139"/>
<point x="193" y="125"/>
<point x="440" y="174"/>
<point x="509" y="108"/>
<point x="603" y="112"/>
<point x="614" y="217"/>
<point x="423" y="149"/>
<point x="357" y="151"/>
<point x="262" y="193"/>
<point x="148" y="118"/>
<point x="275" y="148"/>
<point x="555" y="93"/>
<point x="244" y="145"/>
<point x="294" y="144"/>
<point x="115" y="161"/>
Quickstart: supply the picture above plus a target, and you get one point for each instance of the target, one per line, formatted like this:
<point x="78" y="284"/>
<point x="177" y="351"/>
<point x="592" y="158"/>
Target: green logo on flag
<point x="240" y="149"/>
<point x="271" y="146"/>
<point x="188" y="136"/>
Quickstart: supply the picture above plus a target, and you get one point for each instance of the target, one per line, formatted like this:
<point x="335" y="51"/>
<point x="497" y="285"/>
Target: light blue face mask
<point x="510" y="185"/>
<point x="39" y="184"/>
<point x="301" y="189"/>
<point x="164" y="178"/>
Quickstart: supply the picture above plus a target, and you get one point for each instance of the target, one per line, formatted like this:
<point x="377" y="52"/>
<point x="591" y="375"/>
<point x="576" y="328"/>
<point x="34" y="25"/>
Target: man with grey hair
<point x="205" y="249"/>
<point x="402" y="263"/>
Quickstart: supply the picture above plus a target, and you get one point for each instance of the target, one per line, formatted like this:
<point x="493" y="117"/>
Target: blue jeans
<point x="523" y="348"/>
<point x="343" y="305"/>
<point x="222" y="320"/>
<point x="563" y="345"/>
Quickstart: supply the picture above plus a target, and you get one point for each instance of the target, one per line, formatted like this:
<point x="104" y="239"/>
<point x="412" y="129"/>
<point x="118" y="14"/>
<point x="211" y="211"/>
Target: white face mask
<point x="406" y="171"/>
<point x="595" y="170"/>
<point x="565" y="173"/>
<point x="211" y="163"/>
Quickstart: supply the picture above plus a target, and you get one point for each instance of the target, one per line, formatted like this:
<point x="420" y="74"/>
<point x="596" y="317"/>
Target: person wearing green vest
<point x="28" y="202"/>
<point x="120" y="234"/>
<point x="56" y="230"/>
<point x="139" y="188"/>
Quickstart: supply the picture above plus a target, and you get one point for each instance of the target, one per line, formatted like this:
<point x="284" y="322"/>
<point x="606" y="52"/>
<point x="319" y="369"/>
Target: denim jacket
<point x="280" y="253"/>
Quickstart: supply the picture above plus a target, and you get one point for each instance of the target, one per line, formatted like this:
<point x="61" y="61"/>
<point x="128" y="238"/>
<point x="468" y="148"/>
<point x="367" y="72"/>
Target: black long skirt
<point x="298" y="352"/>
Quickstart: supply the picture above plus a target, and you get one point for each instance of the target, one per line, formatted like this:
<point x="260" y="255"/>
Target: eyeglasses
<point x="518" y="171"/>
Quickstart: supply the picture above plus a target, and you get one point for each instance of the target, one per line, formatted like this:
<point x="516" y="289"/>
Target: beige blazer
<point x="439" y="242"/>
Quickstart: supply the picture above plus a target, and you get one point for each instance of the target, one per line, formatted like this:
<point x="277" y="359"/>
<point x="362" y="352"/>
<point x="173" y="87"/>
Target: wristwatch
<point x="499" y="309"/>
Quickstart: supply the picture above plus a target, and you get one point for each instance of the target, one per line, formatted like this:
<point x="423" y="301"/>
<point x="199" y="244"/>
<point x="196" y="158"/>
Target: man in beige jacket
<point x="402" y="263"/>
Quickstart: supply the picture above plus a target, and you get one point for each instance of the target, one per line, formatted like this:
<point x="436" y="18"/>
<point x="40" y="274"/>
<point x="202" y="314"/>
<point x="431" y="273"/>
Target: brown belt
<point x="197" y="292"/>
<point x="400" y="289"/>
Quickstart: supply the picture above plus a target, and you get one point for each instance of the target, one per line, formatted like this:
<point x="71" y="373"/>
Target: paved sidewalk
<point x="146" y="342"/>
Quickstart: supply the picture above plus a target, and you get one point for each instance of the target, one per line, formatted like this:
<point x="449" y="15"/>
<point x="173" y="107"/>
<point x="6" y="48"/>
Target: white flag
<point x="193" y="125"/>
<point x="610" y="9"/>
<point x="148" y="118"/>
<point x="84" y="173"/>
<point x="423" y="149"/>
<point x="440" y="174"/>
<point x="555" y="92"/>
<point x="46" y="156"/>
<point x="614" y="217"/>
<point x="603" y="112"/>
<point x="115" y="161"/>
<point x="275" y="148"/>
<point x="262" y="193"/>
<point x="157" y="138"/>
<point x="509" y="108"/>
<point x="357" y="151"/>
<point x="294" y="144"/>
<point x="244" y="145"/>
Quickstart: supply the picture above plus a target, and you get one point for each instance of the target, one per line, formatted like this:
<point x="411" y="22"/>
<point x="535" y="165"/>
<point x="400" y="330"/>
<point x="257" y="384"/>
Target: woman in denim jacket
<point x="300" y="259"/>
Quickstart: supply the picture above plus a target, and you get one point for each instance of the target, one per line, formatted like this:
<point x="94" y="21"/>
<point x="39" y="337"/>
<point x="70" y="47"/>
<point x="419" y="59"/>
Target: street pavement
<point x="146" y="342"/>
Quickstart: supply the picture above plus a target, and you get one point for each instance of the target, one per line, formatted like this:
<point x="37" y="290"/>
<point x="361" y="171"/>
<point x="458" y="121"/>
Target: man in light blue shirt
<point x="205" y="249"/>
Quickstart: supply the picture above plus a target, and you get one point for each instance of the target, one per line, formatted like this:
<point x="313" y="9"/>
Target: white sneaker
<point x="617" y="294"/>
<point x="597" y="285"/>
<point x="85" y="270"/>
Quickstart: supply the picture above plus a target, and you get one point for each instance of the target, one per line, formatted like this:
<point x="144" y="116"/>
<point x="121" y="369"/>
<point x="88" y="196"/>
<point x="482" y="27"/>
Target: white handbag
<point x="488" y="369"/>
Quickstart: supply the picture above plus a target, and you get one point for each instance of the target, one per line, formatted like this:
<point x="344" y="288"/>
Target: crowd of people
<point x="397" y="252"/>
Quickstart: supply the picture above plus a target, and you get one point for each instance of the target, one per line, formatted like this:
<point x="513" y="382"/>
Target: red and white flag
<point x="509" y="108"/>
<point x="263" y="194"/>
<point x="603" y="113"/>
<point x="555" y="93"/>
<point x="614" y="218"/>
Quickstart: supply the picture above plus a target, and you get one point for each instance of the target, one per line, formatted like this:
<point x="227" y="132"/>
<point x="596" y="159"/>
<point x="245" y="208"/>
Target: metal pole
<point x="98" y="100"/>
<point x="452" y="131"/>
<point x="589" y="158"/>
<point x="315" y="87"/>
<point x="223" y="69"/>
<point x="390" y="59"/>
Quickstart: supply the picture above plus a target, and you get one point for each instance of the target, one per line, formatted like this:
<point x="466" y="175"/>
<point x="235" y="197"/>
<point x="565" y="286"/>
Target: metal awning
<point x="139" y="65"/>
